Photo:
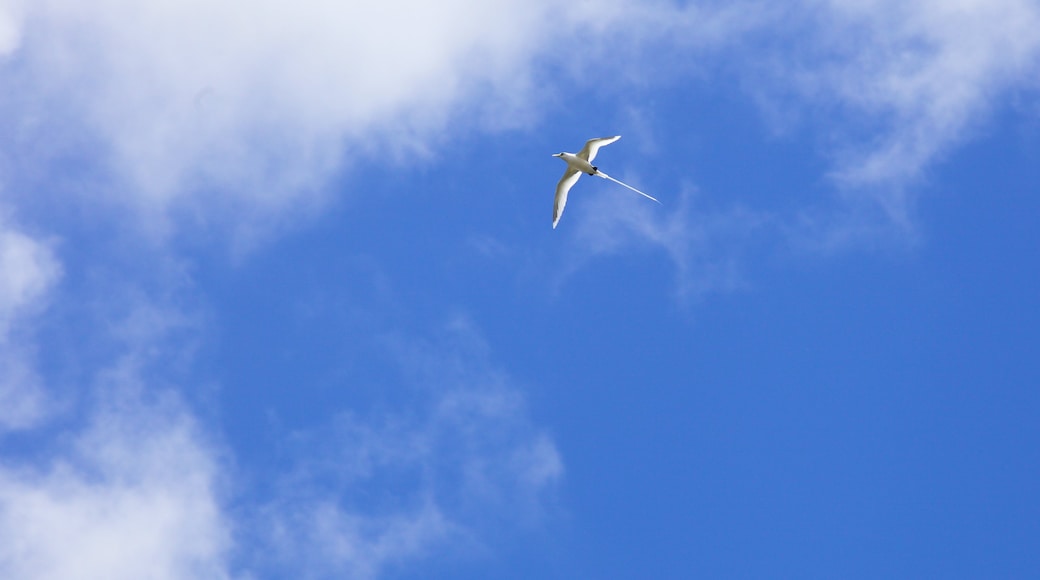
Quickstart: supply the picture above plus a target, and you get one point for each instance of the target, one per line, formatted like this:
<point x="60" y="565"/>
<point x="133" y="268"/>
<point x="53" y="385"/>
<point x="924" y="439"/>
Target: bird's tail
<point x="605" y="176"/>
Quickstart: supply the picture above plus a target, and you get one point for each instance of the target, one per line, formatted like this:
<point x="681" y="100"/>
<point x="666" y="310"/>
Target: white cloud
<point x="135" y="495"/>
<point x="258" y="99"/>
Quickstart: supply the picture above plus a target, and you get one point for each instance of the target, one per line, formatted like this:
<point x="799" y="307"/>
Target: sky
<point x="280" y="295"/>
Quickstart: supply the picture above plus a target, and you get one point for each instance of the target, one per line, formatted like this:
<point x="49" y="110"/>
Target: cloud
<point x="924" y="75"/>
<point x="23" y="398"/>
<point x="29" y="271"/>
<point x="126" y="486"/>
<point x="9" y="28"/>
<point x="133" y="495"/>
<point x="236" y="110"/>
<point x="260" y="101"/>
<point x="321" y="539"/>
<point x="458" y="465"/>
<point x="704" y="246"/>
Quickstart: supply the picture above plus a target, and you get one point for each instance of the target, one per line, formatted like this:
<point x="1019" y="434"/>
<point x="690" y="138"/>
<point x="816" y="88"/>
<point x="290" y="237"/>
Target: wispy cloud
<point x="917" y="78"/>
<point x="9" y="29"/>
<point x="459" y="463"/>
<point x="320" y="539"/>
<point x="705" y="246"/>
<point x="28" y="271"/>
<point x="23" y="397"/>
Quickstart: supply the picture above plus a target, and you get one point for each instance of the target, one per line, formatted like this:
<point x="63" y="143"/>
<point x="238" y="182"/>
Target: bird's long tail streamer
<point x="605" y="176"/>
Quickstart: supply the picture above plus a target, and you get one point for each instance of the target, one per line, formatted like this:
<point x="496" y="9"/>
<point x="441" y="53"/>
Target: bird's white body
<point x="582" y="163"/>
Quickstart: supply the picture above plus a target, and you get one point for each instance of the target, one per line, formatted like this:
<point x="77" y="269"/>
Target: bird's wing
<point x="570" y="177"/>
<point x="588" y="152"/>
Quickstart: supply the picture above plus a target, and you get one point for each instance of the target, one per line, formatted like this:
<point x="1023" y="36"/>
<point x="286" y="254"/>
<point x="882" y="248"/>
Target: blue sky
<point x="280" y="296"/>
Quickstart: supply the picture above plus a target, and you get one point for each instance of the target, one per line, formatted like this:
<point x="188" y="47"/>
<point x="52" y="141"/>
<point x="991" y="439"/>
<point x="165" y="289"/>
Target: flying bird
<point x="582" y="163"/>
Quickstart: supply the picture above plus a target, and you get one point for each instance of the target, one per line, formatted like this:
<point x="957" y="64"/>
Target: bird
<point x="582" y="163"/>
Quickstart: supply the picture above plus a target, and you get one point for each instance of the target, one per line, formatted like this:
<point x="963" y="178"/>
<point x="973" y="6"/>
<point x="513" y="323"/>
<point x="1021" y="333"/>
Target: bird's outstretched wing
<point x="588" y="152"/>
<point x="570" y="177"/>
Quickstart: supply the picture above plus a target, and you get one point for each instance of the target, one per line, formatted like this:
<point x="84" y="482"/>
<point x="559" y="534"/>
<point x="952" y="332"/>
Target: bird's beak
<point x="557" y="154"/>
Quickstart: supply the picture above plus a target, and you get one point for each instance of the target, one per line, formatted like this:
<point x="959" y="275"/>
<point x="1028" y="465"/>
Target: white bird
<point x="582" y="163"/>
